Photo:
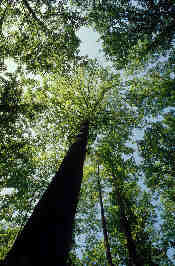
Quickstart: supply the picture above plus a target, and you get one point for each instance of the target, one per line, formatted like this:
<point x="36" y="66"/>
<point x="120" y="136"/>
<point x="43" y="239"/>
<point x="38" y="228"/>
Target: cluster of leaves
<point x="125" y="22"/>
<point x="44" y="102"/>
<point x="24" y="162"/>
<point x="28" y="28"/>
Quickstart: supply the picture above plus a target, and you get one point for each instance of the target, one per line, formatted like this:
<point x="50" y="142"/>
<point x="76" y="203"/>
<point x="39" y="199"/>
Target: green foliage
<point x="7" y="237"/>
<point x="43" y="103"/>
<point x="29" y="28"/>
<point x="125" y="23"/>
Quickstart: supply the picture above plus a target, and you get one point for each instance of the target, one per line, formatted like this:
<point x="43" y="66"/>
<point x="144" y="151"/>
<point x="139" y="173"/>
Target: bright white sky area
<point x="89" y="45"/>
<point x="11" y="65"/>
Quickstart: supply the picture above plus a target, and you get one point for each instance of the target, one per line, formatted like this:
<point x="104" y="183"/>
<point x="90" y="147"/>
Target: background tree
<point x="103" y="221"/>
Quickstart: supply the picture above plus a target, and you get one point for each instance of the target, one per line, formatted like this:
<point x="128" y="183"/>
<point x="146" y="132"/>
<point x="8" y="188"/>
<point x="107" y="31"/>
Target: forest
<point x="87" y="150"/>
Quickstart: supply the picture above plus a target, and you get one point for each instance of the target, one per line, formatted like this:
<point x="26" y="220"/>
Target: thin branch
<point x="34" y="15"/>
<point x="2" y="18"/>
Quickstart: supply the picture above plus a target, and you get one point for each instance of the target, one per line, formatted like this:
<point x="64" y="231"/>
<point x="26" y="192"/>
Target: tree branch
<point x="34" y="15"/>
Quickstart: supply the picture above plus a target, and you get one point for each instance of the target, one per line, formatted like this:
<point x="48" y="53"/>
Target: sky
<point x="89" y="45"/>
<point x="11" y="65"/>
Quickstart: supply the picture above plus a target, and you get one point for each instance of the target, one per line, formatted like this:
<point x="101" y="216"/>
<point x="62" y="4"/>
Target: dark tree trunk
<point x="47" y="236"/>
<point x="105" y="232"/>
<point x="126" y="229"/>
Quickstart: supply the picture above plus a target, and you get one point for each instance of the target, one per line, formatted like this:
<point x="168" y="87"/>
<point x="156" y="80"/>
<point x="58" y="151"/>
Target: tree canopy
<point x="124" y="212"/>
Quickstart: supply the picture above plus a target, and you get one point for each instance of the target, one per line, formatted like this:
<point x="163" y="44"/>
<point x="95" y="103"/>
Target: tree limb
<point x="34" y="15"/>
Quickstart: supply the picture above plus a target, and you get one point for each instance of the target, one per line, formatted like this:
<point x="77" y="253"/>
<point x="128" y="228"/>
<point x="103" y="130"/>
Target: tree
<point x="127" y="201"/>
<point x="92" y="100"/>
<point x="38" y="25"/>
<point x="127" y="22"/>
<point x="158" y="167"/>
<point x="152" y="95"/>
<point x="103" y="221"/>
<point x="46" y="237"/>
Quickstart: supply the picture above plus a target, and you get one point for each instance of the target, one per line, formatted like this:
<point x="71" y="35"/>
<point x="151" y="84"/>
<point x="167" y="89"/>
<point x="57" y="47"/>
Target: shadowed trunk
<point x="135" y="259"/>
<point x="126" y="229"/>
<point x="105" y="232"/>
<point x="47" y="236"/>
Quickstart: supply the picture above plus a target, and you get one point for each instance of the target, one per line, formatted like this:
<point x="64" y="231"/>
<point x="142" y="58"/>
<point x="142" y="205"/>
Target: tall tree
<point x="47" y="236"/>
<point x="85" y="102"/>
<point x="153" y="96"/>
<point x="103" y="220"/>
<point x="126" y="214"/>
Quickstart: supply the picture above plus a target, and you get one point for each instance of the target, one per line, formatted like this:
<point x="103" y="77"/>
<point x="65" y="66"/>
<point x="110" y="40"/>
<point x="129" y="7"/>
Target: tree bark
<point x="103" y="220"/>
<point x="47" y="236"/>
<point x="126" y="229"/>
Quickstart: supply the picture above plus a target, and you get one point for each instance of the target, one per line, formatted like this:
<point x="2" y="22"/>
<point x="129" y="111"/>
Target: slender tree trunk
<point x="134" y="258"/>
<point x="103" y="220"/>
<point x="47" y="236"/>
<point x="126" y="229"/>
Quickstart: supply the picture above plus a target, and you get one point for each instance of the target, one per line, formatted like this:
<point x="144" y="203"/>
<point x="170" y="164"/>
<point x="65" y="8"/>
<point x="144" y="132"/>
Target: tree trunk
<point x="105" y="233"/>
<point x="47" y="236"/>
<point x="126" y="229"/>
